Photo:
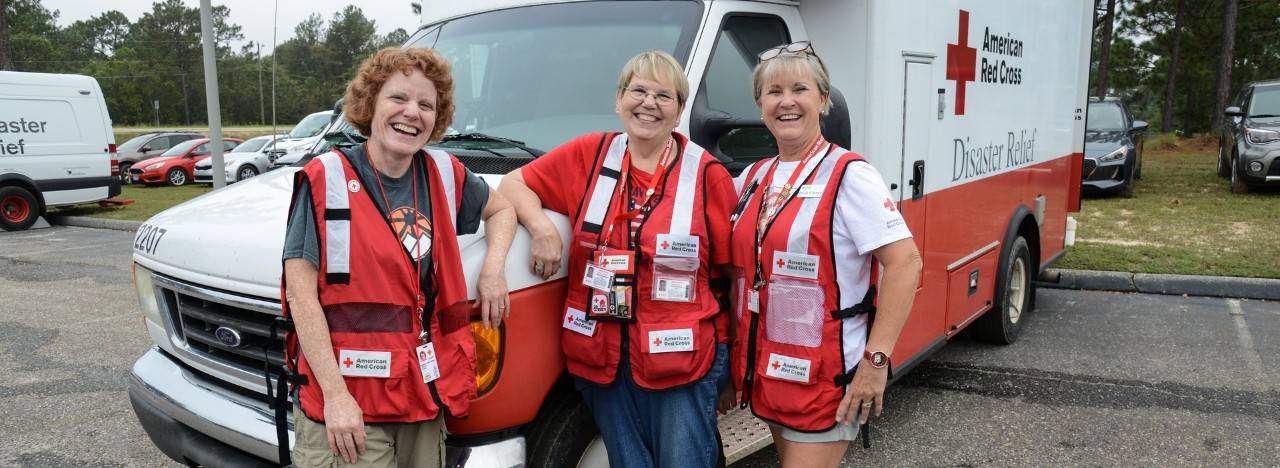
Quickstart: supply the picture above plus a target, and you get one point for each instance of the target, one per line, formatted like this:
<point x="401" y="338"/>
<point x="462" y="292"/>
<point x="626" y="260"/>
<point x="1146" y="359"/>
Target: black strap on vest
<point x="278" y="395"/>
<point x="867" y="306"/>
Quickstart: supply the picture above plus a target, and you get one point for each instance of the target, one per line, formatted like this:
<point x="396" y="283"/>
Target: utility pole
<point x="262" y="106"/>
<point x="211" y="94"/>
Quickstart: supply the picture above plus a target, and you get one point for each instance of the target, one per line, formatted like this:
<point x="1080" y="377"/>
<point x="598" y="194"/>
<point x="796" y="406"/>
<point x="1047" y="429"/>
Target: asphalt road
<point x="1097" y="378"/>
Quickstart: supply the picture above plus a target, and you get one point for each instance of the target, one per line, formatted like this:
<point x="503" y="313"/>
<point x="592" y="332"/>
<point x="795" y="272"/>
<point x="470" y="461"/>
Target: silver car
<point x="246" y="160"/>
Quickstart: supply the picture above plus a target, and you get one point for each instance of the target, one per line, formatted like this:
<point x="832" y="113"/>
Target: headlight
<point x="1259" y="136"/>
<point x="152" y="167"/>
<point x="1116" y="155"/>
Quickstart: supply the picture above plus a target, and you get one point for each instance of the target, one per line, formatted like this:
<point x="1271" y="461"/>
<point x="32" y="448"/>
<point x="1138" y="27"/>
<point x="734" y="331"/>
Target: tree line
<point x="159" y="57"/>
<point x="1177" y="63"/>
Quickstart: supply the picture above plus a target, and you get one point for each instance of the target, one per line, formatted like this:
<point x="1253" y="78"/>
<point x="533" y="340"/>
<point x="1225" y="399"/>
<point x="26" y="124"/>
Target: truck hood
<point x="149" y="161"/>
<point x="230" y="239"/>
<point x="291" y="143"/>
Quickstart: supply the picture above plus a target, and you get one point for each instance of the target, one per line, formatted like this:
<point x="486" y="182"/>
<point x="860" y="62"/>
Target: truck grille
<point x="222" y="327"/>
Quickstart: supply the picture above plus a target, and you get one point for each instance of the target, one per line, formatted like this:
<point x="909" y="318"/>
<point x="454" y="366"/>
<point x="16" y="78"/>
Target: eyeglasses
<point x="639" y="94"/>
<point x="792" y="48"/>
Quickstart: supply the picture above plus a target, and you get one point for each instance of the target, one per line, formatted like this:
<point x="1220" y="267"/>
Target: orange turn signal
<point x="488" y="355"/>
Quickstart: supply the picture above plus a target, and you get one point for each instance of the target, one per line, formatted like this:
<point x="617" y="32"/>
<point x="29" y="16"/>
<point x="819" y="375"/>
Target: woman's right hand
<point x="344" y="423"/>
<point x="546" y="251"/>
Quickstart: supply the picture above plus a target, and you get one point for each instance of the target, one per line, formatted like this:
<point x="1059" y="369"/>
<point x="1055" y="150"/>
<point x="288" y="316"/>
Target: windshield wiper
<point x="1255" y="116"/>
<point x="474" y="136"/>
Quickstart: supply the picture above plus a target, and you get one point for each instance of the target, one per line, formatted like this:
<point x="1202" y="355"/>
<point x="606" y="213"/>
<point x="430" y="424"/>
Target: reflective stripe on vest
<point x="607" y="184"/>
<point x="337" y="228"/>
<point x="798" y="237"/>
<point x="444" y="164"/>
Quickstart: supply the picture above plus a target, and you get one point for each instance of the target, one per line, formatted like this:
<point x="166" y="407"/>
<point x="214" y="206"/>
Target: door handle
<point x="917" y="180"/>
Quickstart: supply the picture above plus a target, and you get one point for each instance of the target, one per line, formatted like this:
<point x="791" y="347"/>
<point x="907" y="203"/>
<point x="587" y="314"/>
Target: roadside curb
<point x="96" y="223"/>
<point x="1150" y="283"/>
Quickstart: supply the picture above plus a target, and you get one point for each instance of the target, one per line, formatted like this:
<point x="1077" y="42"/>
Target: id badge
<point x="675" y="279"/>
<point x="613" y="305"/>
<point x="427" y="362"/>
<point x="619" y="262"/>
<point x="597" y="278"/>
<point x="753" y="300"/>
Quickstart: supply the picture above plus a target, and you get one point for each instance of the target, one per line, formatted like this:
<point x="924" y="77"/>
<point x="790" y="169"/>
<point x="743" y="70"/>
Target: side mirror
<point x="1139" y="126"/>
<point x="1233" y="111"/>
<point x="145" y="149"/>
<point x="337" y="111"/>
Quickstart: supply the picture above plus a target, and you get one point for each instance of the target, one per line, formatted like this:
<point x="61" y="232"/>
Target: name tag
<point x="788" y="368"/>
<point x="811" y="191"/>
<point x="354" y="363"/>
<point x="617" y="261"/>
<point x="676" y="245"/>
<point x="427" y="363"/>
<point x="671" y="341"/>
<point x="671" y="289"/>
<point x="576" y="320"/>
<point x="795" y="264"/>
<point x="597" y="278"/>
<point x="753" y="300"/>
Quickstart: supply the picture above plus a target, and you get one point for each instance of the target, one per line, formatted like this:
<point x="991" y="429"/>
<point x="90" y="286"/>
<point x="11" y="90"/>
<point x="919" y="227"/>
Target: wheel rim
<point x="246" y="173"/>
<point x="177" y="178"/>
<point x="1017" y="289"/>
<point x="15" y="208"/>
<point x="1234" y="170"/>
<point x="595" y="456"/>
<point x="1220" y="163"/>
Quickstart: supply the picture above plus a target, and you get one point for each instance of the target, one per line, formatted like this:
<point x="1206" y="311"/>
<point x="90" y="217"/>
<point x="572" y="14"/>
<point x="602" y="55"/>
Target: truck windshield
<point x="1105" y="117"/>
<point x="547" y="73"/>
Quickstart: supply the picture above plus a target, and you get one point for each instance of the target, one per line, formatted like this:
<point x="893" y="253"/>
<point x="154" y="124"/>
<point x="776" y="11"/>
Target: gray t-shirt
<point x="302" y="240"/>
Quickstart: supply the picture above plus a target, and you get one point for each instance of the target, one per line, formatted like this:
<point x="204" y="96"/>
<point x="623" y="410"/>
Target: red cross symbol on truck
<point x="348" y="362"/>
<point x="962" y="61"/>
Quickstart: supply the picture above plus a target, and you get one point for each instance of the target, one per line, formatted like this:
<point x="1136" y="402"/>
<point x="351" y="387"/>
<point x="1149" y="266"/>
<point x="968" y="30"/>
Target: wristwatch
<point x="878" y="359"/>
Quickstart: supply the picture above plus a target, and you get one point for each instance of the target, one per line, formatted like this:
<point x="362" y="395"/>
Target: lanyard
<point x="419" y="301"/>
<point x="624" y="182"/>
<point x="767" y="215"/>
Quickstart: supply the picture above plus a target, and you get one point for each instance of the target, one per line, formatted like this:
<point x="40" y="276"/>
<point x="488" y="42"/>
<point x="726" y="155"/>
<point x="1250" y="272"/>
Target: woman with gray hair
<point x="811" y="223"/>
<point x="643" y="334"/>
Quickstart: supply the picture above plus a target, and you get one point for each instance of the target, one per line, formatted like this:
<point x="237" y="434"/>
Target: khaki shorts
<point x="387" y="445"/>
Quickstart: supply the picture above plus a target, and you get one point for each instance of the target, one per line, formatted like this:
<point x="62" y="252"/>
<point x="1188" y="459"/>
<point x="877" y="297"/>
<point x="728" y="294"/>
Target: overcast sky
<point x="253" y="16"/>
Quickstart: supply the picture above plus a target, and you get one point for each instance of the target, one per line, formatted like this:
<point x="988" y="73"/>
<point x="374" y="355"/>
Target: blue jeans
<point x="667" y="428"/>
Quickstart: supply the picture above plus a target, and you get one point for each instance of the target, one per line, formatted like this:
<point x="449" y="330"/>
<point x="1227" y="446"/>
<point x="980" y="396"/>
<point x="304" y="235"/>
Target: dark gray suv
<point x="1249" y="145"/>
<point x="1112" y="148"/>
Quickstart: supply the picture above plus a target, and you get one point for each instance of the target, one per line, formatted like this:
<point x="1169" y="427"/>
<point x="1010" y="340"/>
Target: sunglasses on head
<point x="792" y="48"/>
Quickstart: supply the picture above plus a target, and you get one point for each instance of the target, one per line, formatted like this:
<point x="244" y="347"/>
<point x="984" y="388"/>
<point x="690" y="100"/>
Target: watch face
<point x="879" y="359"/>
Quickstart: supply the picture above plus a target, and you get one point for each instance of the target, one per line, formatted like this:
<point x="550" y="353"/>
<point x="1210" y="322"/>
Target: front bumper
<point x="193" y="420"/>
<point x="205" y="175"/>
<point x="1270" y="159"/>
<point x="138" y="176"/>
<point x="1107" y="176"/>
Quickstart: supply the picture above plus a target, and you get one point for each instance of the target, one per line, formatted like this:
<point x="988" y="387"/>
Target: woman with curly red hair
<point x="373" y="277"/>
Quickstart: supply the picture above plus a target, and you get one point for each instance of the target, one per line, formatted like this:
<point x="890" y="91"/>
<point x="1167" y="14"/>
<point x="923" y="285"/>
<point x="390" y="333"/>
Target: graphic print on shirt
<point x="413" y="229"/>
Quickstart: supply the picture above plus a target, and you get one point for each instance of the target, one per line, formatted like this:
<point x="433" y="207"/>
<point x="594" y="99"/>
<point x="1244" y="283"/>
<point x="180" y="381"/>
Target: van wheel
<point x="564" y="434"/>
<point x="176" y="177"/>
<point x="1014" y="296"/>
<point x="246" y="171"/>
<point x="124" y="173"/>
<point x="18" y="208"/>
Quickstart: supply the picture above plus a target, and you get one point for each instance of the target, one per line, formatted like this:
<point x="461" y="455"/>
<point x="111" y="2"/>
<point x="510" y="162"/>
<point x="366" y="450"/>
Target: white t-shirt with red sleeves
<point x="866" y="219"/>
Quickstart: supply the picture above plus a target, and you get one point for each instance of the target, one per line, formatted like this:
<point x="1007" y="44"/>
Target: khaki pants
<point x="387" y="445"/>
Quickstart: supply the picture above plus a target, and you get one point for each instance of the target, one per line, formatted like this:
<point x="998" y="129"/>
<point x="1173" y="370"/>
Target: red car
<point x="174" y="167"/>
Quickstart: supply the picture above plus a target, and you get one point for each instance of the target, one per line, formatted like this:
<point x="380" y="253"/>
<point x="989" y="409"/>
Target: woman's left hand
<point x="492" y="298"/>
<point x="866" y="391"/>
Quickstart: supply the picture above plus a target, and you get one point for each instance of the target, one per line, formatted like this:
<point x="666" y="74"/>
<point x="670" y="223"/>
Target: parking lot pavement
<point x="1097" y="378"/>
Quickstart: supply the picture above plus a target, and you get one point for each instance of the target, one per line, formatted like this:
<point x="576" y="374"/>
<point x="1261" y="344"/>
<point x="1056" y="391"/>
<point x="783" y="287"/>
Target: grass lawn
<point x="1183" y="219"/>
<point x="147" y="202"/>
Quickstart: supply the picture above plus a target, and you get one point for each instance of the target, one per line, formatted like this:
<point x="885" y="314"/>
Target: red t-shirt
<point x="561" y="177"/>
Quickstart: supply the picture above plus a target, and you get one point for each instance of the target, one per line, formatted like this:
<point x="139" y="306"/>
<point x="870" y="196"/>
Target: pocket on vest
<point x="673" y="353"/>
<point x="385" y="398"/>
<point x="791" y="377"/>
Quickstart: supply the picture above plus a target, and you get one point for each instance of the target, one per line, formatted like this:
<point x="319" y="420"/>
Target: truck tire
<point x="1238" y="184"/>
<point x="563" y="432"/>
<point x="125" y="179"/>
<point x="1014" y="295"/>
<point x="19" y="208"/>
<point x="1224" y="170"/>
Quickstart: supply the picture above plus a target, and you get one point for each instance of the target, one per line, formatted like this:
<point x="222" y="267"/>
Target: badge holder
<point x="675" y="279"/>
<point x="610" y="278"/>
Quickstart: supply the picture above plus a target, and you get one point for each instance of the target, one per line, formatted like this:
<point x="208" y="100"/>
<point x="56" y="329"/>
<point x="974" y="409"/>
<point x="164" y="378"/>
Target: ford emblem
<point x="228" y="336"/>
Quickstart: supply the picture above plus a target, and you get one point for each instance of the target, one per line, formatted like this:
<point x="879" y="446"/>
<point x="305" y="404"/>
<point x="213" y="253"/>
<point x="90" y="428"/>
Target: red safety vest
<point x="368" y="296"/>
<point x="669" y="343"/>
<point x="790" y="361"/>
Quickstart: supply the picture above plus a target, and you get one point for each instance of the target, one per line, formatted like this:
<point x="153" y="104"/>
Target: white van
<point x="56" y="145"/>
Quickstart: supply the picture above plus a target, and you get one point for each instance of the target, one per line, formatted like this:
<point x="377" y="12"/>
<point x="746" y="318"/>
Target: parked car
<point x="148" y="145"/>
<point x="1249" y="144"/>
<point x="175" y="166"/>
<point x="1112" y="148"/>
<point x="304" y="134"/>
<point x="244" y="161"/>
<point x="56" y="145"/>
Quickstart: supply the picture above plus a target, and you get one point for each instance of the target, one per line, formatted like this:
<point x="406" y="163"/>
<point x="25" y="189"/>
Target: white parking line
<point x="1250" y="354"/>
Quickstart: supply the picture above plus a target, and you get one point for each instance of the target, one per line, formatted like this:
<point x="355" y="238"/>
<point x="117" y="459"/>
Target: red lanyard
<point x="417" y="247"/>
<point x="784" y="195"/>
<point x="623" y="181"/>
